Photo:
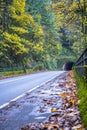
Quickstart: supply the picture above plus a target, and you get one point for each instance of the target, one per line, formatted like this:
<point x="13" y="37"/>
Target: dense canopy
<point x="42" y="32"/>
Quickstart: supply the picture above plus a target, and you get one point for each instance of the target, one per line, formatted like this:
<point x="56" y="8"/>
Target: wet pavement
<point x="53" y="106"/>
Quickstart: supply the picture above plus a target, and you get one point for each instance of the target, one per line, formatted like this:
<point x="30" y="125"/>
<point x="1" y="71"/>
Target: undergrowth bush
<point x="38" y="67"/>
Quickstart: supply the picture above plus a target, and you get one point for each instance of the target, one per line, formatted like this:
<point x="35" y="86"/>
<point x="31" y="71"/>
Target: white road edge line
<point x="12" y="80"/>
<point x="20" y="96"/>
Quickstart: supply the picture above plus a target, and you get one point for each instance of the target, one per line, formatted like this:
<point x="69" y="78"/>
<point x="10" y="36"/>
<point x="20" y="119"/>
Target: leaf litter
<point x="65" y="116"/>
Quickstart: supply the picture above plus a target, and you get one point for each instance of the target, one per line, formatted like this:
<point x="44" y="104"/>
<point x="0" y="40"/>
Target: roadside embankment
<point x="81" y="81"/>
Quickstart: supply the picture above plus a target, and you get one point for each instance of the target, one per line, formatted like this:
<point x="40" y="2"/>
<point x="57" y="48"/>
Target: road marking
<point x="24" y="94"/>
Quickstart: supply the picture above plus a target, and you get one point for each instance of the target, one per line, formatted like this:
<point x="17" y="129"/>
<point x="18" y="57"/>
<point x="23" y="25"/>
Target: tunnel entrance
<point x="68" y="65"/>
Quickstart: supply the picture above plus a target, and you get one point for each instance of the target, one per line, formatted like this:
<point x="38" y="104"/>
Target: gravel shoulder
<point x="53" y="106"/>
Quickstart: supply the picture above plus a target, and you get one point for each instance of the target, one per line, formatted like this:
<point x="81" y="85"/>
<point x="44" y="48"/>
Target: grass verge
<point x="82" y="95"/>
<point x="15" y="73"/>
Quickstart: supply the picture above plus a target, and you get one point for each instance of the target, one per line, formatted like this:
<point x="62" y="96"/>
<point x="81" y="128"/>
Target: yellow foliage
<point x="72" y="8"/>
<point x="19" y="14"/>
<point x="86" y="9"/>
<point x="14" y="42"/>
<point x="59" y="46"/>
<point x="19" y="30"/>
<point x="39" y="47"/>
<point x="38" y="31"/>
<point x="12" y="38"/>
<point x="26" y="42"/>
<point x="58" y="5"/>
<point x="47" y="8"/>
<point x="19" y="5"/>
<point x="23" y="19"/>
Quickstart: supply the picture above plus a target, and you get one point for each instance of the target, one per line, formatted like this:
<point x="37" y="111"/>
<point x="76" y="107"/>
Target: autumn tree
<point x="13" y="44"/>
<point x="69" y="19"/>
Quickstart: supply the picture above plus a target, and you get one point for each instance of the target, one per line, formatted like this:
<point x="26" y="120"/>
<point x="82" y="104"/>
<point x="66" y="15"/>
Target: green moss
<point x="82" y="93"/>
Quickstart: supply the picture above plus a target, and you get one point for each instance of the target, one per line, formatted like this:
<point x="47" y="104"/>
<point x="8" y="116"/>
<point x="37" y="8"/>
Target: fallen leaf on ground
<point x="73" y="102"/>
<point x="78" y="127"/>
<point x="64" y="95"/>
<point x="54" y="109"/>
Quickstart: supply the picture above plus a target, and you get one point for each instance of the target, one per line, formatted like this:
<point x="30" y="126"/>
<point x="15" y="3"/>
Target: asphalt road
<point x="11" y="88"/>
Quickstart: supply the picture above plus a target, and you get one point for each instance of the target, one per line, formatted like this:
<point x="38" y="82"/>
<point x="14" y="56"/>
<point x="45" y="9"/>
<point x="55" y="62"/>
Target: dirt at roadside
<point x="53" y="106"/>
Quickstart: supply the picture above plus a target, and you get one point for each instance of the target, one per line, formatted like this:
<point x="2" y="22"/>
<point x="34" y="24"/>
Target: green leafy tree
<point x="43" y="15"/>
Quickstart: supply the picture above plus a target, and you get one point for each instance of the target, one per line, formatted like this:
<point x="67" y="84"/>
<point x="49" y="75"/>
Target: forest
<point x="42" y="33"/>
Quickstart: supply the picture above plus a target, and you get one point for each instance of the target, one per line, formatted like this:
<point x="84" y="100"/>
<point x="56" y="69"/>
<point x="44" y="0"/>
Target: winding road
<point x="15" y="87"/>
